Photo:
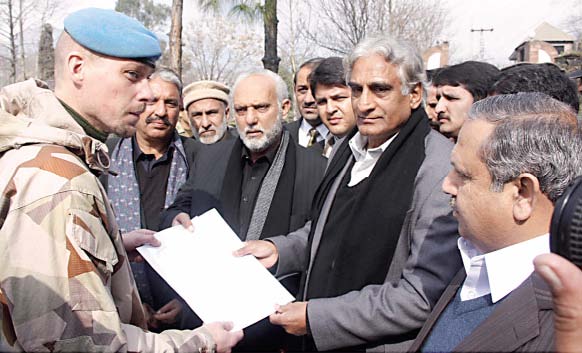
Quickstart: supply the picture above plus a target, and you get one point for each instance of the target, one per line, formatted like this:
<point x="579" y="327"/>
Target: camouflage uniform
<point x="65" y="280"/>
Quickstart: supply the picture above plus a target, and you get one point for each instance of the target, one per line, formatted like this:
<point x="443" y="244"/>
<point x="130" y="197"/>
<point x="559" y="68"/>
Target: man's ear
<point x="415" y="96"/>
<point x="285" y="106"/>
<point x="76" y="63"/>
<point x="527" y="191"/>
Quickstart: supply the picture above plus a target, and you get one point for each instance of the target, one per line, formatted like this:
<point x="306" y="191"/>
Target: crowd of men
<point x="402" y="208"/>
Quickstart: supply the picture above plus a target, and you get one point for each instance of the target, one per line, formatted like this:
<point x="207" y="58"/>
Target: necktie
<point x="328" y="146"/>
<point x="312" y="136"/>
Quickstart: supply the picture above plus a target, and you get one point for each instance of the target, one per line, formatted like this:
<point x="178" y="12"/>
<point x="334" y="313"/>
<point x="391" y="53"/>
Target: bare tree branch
<point x="220" y="54"/>
<point x="344" y="23"/>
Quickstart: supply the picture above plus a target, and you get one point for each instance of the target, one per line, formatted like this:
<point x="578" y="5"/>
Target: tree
<point x="294" y="46"/>
<point x="8" y="33"/>
<point x="153" y="16"/>
<point x="17" y="18"/>
<point x="220" y="54"/>
<point x="46" y="54"/>
<point x="573" y="23"/>
<point x="253" y="10"/>
<point x="176" y="37"/>
<point x="343" y="23"/>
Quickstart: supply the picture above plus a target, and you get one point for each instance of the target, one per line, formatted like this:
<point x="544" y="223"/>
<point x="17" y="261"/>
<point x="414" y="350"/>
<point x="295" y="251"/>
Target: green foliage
<point x="152" y="15"/>
<point x="247" y="10"/>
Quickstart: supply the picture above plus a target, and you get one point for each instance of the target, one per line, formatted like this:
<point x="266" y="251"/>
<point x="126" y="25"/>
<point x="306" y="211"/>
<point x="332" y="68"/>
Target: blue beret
<point x="113" y="34"/>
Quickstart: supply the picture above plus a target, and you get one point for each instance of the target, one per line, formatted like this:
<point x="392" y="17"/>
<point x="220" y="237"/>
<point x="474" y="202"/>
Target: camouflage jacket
<point x="65" y="281"/>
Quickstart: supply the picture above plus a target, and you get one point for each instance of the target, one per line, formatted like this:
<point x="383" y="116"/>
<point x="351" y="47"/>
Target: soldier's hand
<point x="265" y="251"/>
<point x="183" y="219"/>
<point x="223" y="337"/>
<point x="137" y="238"/>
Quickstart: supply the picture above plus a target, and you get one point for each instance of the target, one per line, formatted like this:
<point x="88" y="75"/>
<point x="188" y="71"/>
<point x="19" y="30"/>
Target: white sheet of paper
<point x="216" y="285"/>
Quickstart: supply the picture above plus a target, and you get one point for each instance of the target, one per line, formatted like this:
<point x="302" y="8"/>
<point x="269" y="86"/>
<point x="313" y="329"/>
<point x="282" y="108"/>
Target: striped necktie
<point x="312" y="136"/>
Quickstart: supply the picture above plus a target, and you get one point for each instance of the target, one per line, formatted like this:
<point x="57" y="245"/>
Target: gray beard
<point x="262" y="143"/>
<point x="208" y="140"/>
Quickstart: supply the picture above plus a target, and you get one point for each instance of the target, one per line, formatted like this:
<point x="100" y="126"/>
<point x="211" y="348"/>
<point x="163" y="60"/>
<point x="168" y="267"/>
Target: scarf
<point x="363" y="248"/>
<point x="123" y="189"/>
<point x="267" y="191"/>
<point x="274" y="204"/>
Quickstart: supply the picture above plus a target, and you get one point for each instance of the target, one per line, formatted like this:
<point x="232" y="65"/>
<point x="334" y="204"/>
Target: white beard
<point x="208" y="140"/>
<point x="261" y="143"/>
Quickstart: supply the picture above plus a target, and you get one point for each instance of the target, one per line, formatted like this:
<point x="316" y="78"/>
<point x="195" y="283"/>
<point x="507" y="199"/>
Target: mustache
<point x="152" y="118"/>
<point x="256" y="129"/>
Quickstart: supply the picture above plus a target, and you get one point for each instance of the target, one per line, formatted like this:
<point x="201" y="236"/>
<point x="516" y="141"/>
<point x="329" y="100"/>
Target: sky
<point x="512" y="22"/>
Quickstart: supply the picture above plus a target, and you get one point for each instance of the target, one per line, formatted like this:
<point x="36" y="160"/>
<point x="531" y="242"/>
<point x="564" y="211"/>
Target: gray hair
<point x="534" y="134"/>
<point x="280" y="85"/>
<point x="407" y="58"/>
<point x="170" y="76"/>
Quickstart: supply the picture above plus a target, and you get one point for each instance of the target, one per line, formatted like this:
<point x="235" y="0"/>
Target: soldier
<point x="65" y="281"/>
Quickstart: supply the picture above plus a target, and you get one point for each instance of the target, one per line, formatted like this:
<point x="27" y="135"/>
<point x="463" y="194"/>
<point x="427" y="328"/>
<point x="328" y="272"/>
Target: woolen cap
<point x="113" y="34"/>
<point x="205" y="89"/>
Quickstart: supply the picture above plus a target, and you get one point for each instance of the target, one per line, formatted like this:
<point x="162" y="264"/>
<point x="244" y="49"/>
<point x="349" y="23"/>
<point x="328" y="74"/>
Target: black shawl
<point x="278" y="218"/>
<point x="367" y="243"/>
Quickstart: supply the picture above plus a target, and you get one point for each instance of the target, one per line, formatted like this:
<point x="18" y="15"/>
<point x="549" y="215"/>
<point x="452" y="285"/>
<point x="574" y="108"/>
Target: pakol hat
<point x="205" y="89"/>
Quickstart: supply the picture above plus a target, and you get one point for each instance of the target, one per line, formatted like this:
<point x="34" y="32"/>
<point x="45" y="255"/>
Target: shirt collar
<point x="488" y="273"/>
<point x="137" y="152"/>
<point x="321" y="128"/>
<point x="88" y="128"/>
<point x="358" y="145"/>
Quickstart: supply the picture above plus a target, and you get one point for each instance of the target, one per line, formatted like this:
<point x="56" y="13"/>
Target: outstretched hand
<point x="224" y="338"/>
<point x="565" y="281"/>
<point x="265" y="251"/>
<point x="184" y="220"/>
<point x="137" y="238"/>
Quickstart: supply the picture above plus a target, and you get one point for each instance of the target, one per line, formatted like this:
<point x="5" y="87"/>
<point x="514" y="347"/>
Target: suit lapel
<point x="513" y="323"/>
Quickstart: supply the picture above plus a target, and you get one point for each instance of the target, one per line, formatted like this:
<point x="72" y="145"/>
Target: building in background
<point x="547" y="44"/>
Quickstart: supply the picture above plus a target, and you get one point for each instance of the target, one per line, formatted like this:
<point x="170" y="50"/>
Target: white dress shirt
<point x="304" y="136"/>
<point x="499" y="272"/>
<point x="366" y="158"/>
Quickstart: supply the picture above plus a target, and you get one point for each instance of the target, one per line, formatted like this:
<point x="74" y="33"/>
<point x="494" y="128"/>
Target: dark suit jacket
<point x="293" y="128"/>
<point x="203" y="188"/>
<point x="203" y="191"/>
<point x="522" y="322"/>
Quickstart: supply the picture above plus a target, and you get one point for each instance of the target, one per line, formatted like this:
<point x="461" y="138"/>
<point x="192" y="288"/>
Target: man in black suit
<point x="262" y="183"/>
<point x="240" y="177"/>
<point x="307" y="130"/>
<point x="514" y="157"/>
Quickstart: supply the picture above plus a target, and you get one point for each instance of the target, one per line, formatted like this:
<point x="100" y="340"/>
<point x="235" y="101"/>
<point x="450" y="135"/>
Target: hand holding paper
<point x="264" y="251"/>
<point x="218" y="286"/>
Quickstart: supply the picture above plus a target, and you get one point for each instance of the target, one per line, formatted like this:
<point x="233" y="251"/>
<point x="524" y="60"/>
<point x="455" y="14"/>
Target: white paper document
<point x="215" y="284"/>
